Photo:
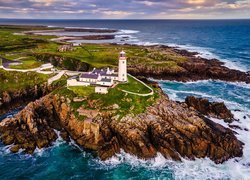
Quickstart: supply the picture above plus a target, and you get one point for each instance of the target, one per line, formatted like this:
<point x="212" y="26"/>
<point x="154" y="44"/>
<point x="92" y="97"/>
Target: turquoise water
<point x="227" y="40"/>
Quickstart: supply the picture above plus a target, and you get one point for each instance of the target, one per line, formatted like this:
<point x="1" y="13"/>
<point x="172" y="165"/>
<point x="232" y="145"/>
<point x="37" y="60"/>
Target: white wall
<point x="105" y="83"/>
<point x="101" y="90"/>
<point x="88" y="80"/>
<point x="122" y="70"/>
<point x="74" y="82"/>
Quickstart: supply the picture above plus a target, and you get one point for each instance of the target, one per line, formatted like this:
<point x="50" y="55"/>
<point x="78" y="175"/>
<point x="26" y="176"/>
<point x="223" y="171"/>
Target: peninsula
<point x="86" y="93"/>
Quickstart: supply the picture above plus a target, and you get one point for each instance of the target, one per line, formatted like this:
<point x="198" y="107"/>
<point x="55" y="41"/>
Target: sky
<point x="125" y="9"/>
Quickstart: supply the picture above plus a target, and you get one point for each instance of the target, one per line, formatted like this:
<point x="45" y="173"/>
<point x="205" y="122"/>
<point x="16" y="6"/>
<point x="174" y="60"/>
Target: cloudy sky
<point x="125" y="9"/>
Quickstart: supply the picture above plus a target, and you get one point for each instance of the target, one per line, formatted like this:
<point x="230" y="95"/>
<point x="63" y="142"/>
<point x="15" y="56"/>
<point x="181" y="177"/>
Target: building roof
<point x="122" y="52"/>
<point x="100" y="71"/>
<point x="106" y="80"/>
<point x="111" y="75"/>
<point x="89" y="76"/>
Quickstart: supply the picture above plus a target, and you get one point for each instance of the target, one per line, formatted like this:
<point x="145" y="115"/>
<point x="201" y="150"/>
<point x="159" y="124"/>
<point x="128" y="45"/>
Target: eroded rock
<point x="167" y="127"/>
<point x="212" y="109"/>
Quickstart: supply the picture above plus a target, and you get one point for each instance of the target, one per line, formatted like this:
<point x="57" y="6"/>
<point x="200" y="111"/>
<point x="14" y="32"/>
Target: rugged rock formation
<point x="212" y="109"/>
<point x="89" y="37"/>
<point x="61" y="30"/>
<point x="194" y="68"/>
<point x="16" y="98"/>
<point x="171" y="128"/>
<point x="63" y="62"/>
<point x="65" y="48"/>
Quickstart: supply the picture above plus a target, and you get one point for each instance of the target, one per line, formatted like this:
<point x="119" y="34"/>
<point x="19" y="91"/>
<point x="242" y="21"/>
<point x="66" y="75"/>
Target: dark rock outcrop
<point x="63" y="62"/>
<point x="192" y="69"/>
<point x="167" y="127"/>
<point x="10" y="100"/>
<point x="212" y="109"/>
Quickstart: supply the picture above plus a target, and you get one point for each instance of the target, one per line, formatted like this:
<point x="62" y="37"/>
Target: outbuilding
<point x="101" y="89"/>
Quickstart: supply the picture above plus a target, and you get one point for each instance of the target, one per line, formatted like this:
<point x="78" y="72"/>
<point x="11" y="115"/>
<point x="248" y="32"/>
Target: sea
<point x="226" y="40"/>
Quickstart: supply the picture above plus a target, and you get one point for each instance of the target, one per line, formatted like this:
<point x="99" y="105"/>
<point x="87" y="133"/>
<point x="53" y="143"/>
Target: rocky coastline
<point x="176" y="130"/>
<point x="171" y="128"/>
<point x="87" y="37"/>
<point x="64" y="38"/>
<point x="193" y="69"/>
<point x="10" y="100"/>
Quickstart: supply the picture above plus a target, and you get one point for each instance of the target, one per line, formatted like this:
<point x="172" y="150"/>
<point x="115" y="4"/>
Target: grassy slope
<point x="125" y="103"/>
<point x="103" y="55"/>
<point x="11" y="81"/>
<point x="134" y="86"/>
<point x="15" y="46"/>
<point x="97" y="55"/>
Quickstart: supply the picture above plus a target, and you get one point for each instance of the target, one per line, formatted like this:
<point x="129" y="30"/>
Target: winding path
<point x="56" y="77"/>
<point x="139" y="94"/>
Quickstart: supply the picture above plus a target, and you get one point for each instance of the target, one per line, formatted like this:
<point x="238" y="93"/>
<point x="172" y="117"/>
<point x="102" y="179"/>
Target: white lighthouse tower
<point x="122" y="70"/>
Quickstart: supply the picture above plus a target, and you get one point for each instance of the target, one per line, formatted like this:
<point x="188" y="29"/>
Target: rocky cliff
<point x="168" y="127"/>
<point x="192" y="69"/>
<point x="212" y="109"/>
<point x="16" y="98"/>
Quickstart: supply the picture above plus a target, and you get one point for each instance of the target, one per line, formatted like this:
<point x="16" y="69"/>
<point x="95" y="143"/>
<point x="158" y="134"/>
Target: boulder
<point x="167" y="127"/>
<point x="212" y="109"/>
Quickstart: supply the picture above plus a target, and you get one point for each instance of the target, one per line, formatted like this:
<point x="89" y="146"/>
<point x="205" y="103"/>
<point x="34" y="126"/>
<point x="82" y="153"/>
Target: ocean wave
<point x="206" y="53"/>
<point x="238" y="84"/>
<point x="127" y="31"/>
<point x="187" y="169"/>
<point x="146" y="43"/>
<point x="75" y="27"/>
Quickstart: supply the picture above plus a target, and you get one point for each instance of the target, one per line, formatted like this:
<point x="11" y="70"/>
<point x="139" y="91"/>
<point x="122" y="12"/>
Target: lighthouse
<point x="122" y="69"/>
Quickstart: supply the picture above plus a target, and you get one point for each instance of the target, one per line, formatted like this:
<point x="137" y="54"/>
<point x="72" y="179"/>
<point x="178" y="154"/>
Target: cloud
<point x="125" y="8"/>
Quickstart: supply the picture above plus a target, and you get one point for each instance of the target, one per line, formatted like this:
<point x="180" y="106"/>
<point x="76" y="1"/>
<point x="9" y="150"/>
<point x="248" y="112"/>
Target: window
<point x="123" y="75"/>
<point x="123" y="62"/>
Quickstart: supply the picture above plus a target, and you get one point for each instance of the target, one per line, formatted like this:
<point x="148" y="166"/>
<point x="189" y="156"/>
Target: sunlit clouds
<point x="128" y="9"/>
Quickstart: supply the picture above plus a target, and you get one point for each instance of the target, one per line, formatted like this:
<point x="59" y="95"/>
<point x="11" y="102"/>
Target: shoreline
<point x="109" y="36"/>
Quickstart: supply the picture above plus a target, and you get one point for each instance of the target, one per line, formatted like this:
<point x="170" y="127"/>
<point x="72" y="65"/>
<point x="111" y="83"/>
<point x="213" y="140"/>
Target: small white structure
<point x="46" y="66"/>
<point x="89" y="77"/>
<point x="74" y="82"/>
<point x="106" y="82"/>
<point x="101" y="89"/>
<point x="122" y="69"/>
<point x="102" y="79"/>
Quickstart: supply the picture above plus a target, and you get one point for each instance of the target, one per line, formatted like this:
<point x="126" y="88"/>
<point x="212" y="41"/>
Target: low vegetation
<point x="116" y="101"/>
<point x="11" y="81"/>
<point x="27" y="63"/>
<point x="40" y="48"/>
<point x="134" y="86"/>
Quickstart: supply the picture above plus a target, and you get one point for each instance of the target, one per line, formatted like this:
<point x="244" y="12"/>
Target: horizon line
<point x="121" y="19"/>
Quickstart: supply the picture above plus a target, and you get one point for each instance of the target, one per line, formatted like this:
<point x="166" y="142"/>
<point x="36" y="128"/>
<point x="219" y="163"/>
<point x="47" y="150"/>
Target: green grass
<point x="27" y="63"/>
<point x="134" y="86"/>
<point x="83" y="91"/>
<point x="127" y="103"/>
<point x="11" y="81"/>
<point x="39" y="49"/>
<point x="94" y="55"/>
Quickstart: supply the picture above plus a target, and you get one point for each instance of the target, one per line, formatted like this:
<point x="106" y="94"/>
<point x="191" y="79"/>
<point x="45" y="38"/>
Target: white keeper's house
<point x="102" y="79"/>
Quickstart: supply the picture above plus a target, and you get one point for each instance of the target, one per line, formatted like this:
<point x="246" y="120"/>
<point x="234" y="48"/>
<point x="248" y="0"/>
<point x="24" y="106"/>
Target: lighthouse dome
<point x="122" y="54"/>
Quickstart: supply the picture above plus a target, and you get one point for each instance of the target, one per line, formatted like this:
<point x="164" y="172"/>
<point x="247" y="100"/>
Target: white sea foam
<point x="208" y="54"/>
<point x="236" y="168"/>
<point x="146" y="44"/>
<point x="187" y="169"/>
<point x="75" y="27"/>
<point x="127" y="31"/>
